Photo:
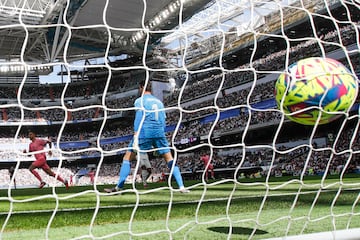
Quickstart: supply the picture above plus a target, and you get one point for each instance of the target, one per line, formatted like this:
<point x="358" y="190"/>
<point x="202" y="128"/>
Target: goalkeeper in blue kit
<point x="149" y="133"/>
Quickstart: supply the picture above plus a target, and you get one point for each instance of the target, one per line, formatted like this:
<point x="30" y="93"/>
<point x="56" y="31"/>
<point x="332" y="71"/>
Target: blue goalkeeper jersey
<point x="154" y="123"/>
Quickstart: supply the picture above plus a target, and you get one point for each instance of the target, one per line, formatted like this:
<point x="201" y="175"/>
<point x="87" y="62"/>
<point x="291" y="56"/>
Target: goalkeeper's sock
<point x="176" y="173"/>
<point x="124" y="173"/>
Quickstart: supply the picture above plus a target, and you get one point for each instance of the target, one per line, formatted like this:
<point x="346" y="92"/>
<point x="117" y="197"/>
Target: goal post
<point x="214" y="64"/>
<point x="339" y="235"/>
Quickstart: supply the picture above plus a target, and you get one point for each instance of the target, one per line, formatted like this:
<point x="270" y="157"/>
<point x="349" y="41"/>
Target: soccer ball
<point x="315" y="88"/>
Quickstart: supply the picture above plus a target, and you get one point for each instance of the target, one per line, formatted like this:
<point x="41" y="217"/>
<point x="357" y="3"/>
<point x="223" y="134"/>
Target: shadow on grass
<point x="236" y="230"/>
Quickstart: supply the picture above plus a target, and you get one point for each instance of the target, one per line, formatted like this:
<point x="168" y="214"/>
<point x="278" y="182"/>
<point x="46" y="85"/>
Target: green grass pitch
<point x="221" y="209"/>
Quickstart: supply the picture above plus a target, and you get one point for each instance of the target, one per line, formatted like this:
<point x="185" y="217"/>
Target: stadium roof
<point x="38" y="30"/>
<point x="224" y="15"/>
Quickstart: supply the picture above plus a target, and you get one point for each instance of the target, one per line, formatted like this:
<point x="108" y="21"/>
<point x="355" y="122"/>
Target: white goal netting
<point x="70" y="70"/>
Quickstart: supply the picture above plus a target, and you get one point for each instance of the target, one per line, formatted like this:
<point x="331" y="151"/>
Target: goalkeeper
<point x="149" y="133"/>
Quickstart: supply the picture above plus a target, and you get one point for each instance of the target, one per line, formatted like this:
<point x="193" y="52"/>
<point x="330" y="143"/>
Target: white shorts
<point x="144" y="160"/>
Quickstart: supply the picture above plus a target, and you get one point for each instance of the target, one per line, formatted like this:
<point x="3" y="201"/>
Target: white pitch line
<point x="164" y="204"/>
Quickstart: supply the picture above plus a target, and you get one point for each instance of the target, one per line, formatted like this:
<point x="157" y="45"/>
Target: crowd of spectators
<point x="233" y="89"/>
<point x="290" y="160"/>
<point x="249" y="72"/>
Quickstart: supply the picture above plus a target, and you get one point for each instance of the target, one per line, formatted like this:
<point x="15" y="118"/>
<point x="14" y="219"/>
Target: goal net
<point x="70" y="70"/>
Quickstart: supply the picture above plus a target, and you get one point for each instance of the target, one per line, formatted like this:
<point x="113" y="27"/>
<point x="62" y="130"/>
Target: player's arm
<point x="25" y="151"/>
<point x="138" y="116"/>
<point x="161" y="114"/>
<point x="137" y="122"/>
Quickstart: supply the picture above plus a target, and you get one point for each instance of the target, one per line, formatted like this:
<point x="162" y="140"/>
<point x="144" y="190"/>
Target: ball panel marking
<point x="315" y="86"/>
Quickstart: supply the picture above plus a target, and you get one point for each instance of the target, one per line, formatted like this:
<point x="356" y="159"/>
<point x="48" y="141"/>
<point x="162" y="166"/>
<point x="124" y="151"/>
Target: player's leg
<point x="77" y="179"/>
<point x="49" y="172"/>
<point x="166" y="153"/>
<point x="206" y="173"/>
<point x="14" y="181"/>
<point x="125" y="170"/>
<point x="212" y="173"/>
<point x="145" y="167"/>
<point x="175" y="171"/>
<point x="11" y="177"/>
<point x="144" y="175"/>
<point x="33" y="166"/>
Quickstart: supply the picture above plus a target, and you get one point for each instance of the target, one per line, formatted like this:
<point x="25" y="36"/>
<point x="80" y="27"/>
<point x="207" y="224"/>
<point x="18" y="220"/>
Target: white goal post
<point x="349" y="234"/>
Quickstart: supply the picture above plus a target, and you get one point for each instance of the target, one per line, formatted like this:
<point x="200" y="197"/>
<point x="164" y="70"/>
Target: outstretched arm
<point x="25" y="151"/>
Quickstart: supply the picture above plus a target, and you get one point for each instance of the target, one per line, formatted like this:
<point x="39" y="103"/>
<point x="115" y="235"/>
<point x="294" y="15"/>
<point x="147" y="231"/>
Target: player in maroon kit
<point x="208" y="167"/>
<point x="36" y="145"/>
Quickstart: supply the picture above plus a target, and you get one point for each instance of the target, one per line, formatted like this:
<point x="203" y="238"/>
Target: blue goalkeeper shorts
<point x="154" y="143"/>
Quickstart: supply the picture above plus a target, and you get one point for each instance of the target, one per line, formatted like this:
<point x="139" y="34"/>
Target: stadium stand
<point x="199" y="90"/>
